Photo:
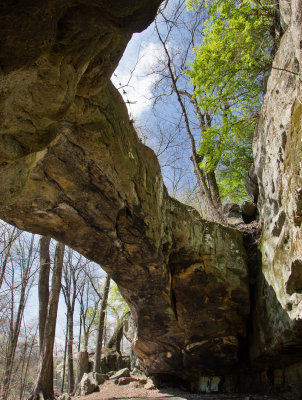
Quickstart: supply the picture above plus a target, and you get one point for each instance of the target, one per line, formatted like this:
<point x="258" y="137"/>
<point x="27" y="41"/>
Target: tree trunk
<point x="98" y="350"/>
<point x="115" y="340"/>
<point x="24" y="380"/>
<point x="7" y="250"/>
<point x="212" y="183"/>
<point x="44" y="381"/>
<point x="70" y="352"/>
<point x="43" y="285"/>
<point x="70" y="292"/>
<point x="82" y="366"/>
<point x="23" y="363"/>
<point x="64" y="360"/>
<point x="214" y="212"/>
<point x="80" y="336"/>
<point x="15" y="327"/>
<point x="12" y="345"/>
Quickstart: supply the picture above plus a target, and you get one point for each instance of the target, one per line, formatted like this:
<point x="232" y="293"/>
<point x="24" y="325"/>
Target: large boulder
<point x="64" y="396"/>
<point x="114" y="361"/>
<point x="123" y="373"/>
<point x="88" y="384"/>
<point x="124" y="380"/>
<point x="100" y="378"/>
<point x="249" y="211"/>
<point x="233" y="214"/>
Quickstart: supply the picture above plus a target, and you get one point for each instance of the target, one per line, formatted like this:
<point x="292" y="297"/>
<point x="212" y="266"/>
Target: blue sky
<point x="133" y="71"/>
<point x="135" y="80"/>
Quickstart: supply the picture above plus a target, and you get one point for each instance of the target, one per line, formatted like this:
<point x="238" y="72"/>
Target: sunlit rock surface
<point x="277" y="329"/>
<point x="73" y="167"/>
<point x="54" y="53"/>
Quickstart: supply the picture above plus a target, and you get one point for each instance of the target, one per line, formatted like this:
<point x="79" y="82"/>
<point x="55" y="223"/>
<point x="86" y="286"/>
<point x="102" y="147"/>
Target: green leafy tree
<point x="116" y="303"/>
<point x="227" y="74"/>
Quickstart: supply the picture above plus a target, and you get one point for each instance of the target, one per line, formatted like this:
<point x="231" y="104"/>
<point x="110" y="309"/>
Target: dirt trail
<point x="109" y="391"/>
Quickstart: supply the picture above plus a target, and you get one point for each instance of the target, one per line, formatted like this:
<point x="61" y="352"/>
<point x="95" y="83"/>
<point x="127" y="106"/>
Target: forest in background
<point x="23" y="256"/>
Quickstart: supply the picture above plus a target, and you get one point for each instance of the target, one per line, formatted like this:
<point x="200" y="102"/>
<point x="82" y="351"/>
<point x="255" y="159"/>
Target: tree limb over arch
<point x="72" y="167"/>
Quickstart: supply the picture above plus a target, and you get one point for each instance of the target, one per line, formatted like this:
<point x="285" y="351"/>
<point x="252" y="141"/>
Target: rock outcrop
<point x="277" y="327"/>
<point x="55" y="53"/>
<point x="89" y="384"/>
<point x="72" y="167"/>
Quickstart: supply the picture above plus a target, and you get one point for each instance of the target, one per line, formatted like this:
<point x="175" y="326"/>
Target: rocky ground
<point x="109" y="390"/>
<point x="126" y="384"/>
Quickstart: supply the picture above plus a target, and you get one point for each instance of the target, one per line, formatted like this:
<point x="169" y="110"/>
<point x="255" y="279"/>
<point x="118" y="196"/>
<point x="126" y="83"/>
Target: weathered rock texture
<point x="277" y="333"/>
<point x="72" y="167"/>
<point x="54" y="52"/>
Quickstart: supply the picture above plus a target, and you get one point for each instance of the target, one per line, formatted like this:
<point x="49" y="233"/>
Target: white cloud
<point x="136" y="65"/>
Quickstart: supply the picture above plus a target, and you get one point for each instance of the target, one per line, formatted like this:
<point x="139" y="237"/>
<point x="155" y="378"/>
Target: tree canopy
<point x="210" y="75"/>
<point x="227" y="73"/>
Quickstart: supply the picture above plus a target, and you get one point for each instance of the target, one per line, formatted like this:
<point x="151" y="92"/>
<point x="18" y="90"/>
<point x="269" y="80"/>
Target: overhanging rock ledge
<point x="72" y="167"/>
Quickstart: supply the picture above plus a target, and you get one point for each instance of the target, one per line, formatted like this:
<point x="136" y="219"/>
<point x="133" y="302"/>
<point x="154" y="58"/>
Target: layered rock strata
<point x="72" y="167"/>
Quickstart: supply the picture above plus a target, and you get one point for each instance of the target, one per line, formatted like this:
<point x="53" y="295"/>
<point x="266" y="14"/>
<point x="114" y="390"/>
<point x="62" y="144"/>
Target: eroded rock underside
<point x="72" y="167"/>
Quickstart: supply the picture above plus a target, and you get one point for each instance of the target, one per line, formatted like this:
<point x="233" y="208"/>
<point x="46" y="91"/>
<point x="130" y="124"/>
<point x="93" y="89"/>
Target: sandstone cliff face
<point x="52" y="51"/>
<point x="278" y="155"/>
<point x="73" y="167"/>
